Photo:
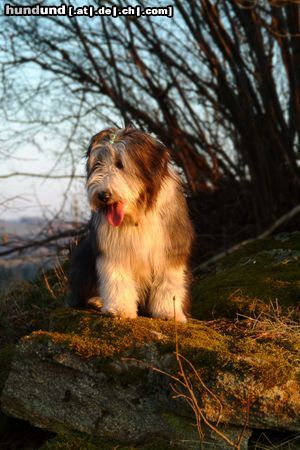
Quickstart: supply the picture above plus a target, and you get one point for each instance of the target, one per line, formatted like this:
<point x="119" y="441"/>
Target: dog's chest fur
<point x="140" y="248"/>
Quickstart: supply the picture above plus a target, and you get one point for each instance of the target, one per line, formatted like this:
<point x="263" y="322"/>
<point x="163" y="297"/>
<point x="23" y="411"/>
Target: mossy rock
<point x="99" y="375"/>
<point x="81" y="371"/>
<point x="80" y="441"/>
<point x="89" y="334"/>
<point x="209" y="346"/>
<point x="259" y="277"/>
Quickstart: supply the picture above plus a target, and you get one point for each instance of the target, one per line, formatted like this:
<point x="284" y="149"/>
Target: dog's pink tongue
<point x="115" y="214"/>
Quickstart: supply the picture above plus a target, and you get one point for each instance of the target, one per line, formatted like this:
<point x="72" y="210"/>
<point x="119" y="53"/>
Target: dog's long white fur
<point x="133" y="259"/>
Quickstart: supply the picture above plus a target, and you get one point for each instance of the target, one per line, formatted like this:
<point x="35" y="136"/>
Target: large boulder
<point x="77" y="370"/>
<point x="99" y="375"/>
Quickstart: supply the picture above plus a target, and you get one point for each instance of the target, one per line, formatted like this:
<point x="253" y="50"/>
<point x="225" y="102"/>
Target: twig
<point x="42" y="242"/>
<point x="246" y="421"/>
<point x="38" y="175"/>
<point x="48" y="285"/>
<point x="185" y="381"/>
<point x="192" y="398"/>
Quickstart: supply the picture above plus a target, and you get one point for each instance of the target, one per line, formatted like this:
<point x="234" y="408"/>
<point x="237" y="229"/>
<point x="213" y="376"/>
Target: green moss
<point x="6" y="356"/>
<point x="269" y="364"/>
<point x="181" y="427"/>
<point x="219" y="346"/>
<point x="248" y="280"/>
<point x="80" y="441"/>
<point x="77" y="441"/>
<point x="89" y="334"/>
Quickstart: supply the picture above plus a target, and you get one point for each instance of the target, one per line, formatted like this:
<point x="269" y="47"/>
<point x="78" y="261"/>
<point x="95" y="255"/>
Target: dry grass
<point x="265" y="442"/>
<point x="25" y="307"/>
<point x="273" y="323"/>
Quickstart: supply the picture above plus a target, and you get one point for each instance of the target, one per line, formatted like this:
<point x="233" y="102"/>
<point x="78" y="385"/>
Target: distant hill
<point x="18" y="267"/>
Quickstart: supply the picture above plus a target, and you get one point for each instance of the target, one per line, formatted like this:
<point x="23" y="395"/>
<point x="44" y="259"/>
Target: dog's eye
<point x="119" y="164"/>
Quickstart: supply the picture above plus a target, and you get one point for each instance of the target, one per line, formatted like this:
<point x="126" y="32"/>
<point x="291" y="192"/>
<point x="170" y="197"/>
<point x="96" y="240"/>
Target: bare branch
<point x="39" y="175"/>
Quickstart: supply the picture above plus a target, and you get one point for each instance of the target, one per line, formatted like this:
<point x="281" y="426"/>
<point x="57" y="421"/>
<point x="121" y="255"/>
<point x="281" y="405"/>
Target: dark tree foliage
<point x="219" y="83"/>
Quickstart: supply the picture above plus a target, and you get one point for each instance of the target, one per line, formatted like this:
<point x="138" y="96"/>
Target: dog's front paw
<point x="94" y="303"/>
<point x="179" y="317"/>
<point x="119" y="314"/>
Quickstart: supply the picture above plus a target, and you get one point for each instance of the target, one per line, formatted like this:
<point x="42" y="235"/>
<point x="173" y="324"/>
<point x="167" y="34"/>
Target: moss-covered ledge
<point x="95" y="374"/>
<point x="263" y="273"/>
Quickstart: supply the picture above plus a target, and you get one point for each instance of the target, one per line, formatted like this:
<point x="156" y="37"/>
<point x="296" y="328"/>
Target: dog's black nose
<point x="104" y="196"/>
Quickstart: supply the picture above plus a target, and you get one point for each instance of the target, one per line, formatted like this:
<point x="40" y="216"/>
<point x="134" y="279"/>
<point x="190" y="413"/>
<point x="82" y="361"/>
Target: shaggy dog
<point x="136" y="255"/>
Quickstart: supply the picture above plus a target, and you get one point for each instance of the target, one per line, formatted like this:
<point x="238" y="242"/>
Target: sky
<point x="30" y="196"/>
<point x="36" y="196"/>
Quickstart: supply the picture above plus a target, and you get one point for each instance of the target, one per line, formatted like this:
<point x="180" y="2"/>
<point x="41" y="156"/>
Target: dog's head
<point x="125" y="171"/>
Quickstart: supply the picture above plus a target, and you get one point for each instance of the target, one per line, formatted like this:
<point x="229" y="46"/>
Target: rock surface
<point x="96" y="375"/>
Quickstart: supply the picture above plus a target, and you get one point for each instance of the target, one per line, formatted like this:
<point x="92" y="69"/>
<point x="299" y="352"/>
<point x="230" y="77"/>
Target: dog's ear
<point x="163" y="151"/>
<point x="160" y="161"/>
<point x="92" y="142"/>
<point x="88" y="152"/>
<point x="166" y="155"/>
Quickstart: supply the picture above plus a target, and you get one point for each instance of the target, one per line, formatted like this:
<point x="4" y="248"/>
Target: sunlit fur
<point x="142" y="264"/>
